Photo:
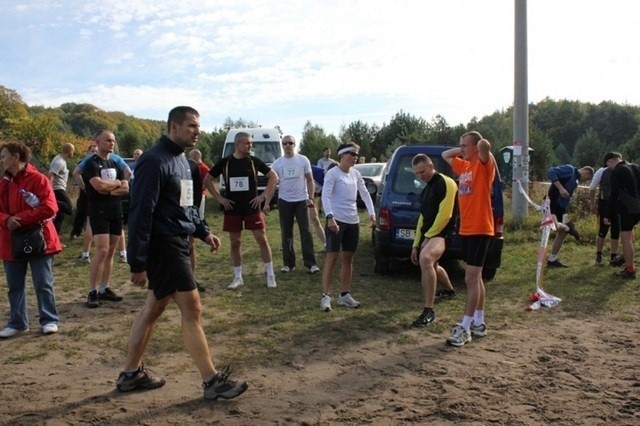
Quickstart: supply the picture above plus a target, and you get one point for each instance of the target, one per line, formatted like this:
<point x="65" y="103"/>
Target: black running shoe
<point x="556" y="264"/>
<point x="109" y="294"/>
<point x="92" y="299"/>
<point x="426" y="317"/>
<point x="223" y="387"/>
<point x="617" y="261"/>
<point x="573" y="231"/>
<point x="446" y="294"/>
<point x="138" y="380"/>
<point x="626" y="275"/>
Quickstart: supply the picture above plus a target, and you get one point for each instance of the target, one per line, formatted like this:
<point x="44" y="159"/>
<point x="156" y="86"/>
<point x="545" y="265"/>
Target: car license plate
<point x="405" y="234"/>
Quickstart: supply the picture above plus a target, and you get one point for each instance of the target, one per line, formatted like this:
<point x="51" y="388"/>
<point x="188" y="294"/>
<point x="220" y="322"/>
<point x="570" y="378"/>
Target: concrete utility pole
<point x="520" y="114"/>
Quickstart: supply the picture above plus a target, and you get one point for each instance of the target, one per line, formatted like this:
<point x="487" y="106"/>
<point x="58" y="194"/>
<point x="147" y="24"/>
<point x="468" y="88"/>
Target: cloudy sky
<point x="331" y="62"/>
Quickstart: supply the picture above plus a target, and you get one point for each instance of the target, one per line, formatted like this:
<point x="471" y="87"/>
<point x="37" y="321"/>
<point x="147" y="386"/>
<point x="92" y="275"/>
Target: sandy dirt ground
<point x="552" y="370"/>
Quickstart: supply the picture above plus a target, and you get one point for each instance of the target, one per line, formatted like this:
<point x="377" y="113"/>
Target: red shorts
<point x="234" y="223"/>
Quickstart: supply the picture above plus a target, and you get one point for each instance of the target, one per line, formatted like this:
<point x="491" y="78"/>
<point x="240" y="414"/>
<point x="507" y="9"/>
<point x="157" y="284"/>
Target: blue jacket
<point x="155" y="201"/>
<point x="568" y="177"/>
<point x="318" y="177"/>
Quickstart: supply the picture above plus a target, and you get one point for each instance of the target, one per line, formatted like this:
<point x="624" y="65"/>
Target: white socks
<point x="237" y="271"/>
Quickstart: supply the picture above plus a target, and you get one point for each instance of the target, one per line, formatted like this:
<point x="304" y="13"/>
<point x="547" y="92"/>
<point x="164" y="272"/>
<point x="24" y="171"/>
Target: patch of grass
<point x="259" y="326"/>
<point x="25" y="357"/>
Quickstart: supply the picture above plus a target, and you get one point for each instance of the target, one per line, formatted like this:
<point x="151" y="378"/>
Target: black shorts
<point x="103" y="222"/>
<point x="446" y="235"/>
<point x="474" y="249"/>
<point x="603" y="211"/>
<point x="169" y="266"/>
<point x="556" y="210"/>
<point x="628" y="221"/>
<point x="347" y="237"/>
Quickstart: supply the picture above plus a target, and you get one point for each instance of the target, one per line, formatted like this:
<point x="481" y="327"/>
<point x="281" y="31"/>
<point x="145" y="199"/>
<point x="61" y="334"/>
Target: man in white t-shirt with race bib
<point x="295" y="196"/>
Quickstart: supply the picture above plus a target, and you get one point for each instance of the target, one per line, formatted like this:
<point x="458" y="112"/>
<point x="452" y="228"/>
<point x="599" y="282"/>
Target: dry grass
<point x="257" y="326"/>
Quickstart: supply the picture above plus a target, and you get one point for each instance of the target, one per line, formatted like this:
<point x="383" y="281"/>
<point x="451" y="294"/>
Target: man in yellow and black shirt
<point x="436" y="221"/>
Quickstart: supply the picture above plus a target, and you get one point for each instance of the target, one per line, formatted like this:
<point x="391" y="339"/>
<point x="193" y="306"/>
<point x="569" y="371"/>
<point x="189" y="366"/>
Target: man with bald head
<point x="295" y="197"/>
<point x="106" y="182"/>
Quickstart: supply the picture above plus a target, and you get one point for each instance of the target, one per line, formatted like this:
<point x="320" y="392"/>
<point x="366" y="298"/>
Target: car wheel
<point x="381" y="267"/>
<point x="489" y="273"/>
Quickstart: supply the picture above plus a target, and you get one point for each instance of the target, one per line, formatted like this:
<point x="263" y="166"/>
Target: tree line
<point x="560" y="131"/>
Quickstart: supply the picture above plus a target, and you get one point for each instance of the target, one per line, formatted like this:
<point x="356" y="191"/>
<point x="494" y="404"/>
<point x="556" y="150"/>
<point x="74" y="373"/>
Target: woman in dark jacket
<point x="20" y="179"/>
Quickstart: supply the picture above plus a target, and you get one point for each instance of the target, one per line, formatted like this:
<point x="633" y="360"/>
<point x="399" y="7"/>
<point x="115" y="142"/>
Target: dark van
<point x="397" y="211"/>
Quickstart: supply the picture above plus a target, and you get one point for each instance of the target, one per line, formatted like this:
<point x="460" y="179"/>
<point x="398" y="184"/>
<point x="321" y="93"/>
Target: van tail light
<point x="384" y="220"/>
<point x="499" y="224"/>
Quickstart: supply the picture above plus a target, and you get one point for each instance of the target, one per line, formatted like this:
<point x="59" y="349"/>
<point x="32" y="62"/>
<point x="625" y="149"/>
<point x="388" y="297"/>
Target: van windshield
<point x="266" y="151"/>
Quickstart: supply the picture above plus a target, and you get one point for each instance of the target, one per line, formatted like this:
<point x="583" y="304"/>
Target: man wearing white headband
<point x="339" y="193"/>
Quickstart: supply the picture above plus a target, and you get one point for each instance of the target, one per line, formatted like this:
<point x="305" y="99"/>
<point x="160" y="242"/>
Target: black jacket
<point x="155" y="201"/>
<point x="625" y="189"/>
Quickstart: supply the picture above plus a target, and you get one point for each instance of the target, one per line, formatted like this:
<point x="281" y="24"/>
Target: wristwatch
<point x="329" y="216"/>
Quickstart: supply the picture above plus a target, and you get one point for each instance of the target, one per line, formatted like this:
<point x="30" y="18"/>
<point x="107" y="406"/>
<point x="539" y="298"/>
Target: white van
<point x="267" y="146"/>
<point x="266" y="143"/>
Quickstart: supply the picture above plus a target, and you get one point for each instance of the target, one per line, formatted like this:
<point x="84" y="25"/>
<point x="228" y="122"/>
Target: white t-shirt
<point x="340" y="192"/>
<point x="292" y="173"/>
<point x="59" y="172"/>
<point x="325" y="163"/>
<point x="597" y="177"/>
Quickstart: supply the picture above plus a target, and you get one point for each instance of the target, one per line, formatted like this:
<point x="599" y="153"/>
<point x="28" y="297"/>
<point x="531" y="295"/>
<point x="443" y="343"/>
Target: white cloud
<point x="86" y="34"/>
<point x="330" y="62"/>
<point x="125" y="57"/>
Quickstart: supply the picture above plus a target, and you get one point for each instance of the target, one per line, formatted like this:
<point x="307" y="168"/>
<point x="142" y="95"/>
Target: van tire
<point x="381" y="267"/>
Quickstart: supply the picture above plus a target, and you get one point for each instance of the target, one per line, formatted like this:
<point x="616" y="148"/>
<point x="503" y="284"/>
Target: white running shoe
<point x="10" y="332"/>
<point x="348" y="301"/>
<point x="271" y="281"/>
<point x="314" y="269"/>
<point x="237" y="282"/>
<point x="478" y="330"/>
<point x="459" y="336"/>
<point x="285" y="269"/>
<point x="50" y="328"/>
<point x="325" y="303"/>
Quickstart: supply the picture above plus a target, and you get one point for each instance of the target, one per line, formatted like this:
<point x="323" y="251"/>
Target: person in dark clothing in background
<point x="625" y="200"/>
<point x="564" y="180"/>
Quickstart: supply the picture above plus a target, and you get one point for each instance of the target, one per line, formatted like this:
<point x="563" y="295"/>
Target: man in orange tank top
<point x="475" y="166"/>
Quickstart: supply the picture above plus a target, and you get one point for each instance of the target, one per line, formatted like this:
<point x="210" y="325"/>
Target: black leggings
<point x="603" y="210"/>
<point x="65" y="206"/>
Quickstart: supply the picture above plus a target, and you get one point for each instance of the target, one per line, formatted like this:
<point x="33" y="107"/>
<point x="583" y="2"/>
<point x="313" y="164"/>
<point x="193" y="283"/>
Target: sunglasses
<point x="354" y="154"/>
<point x="287" y="143"/>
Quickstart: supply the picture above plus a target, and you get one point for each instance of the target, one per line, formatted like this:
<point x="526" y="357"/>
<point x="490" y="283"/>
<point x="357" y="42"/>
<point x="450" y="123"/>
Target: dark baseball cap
<point x="609" y="155"/>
